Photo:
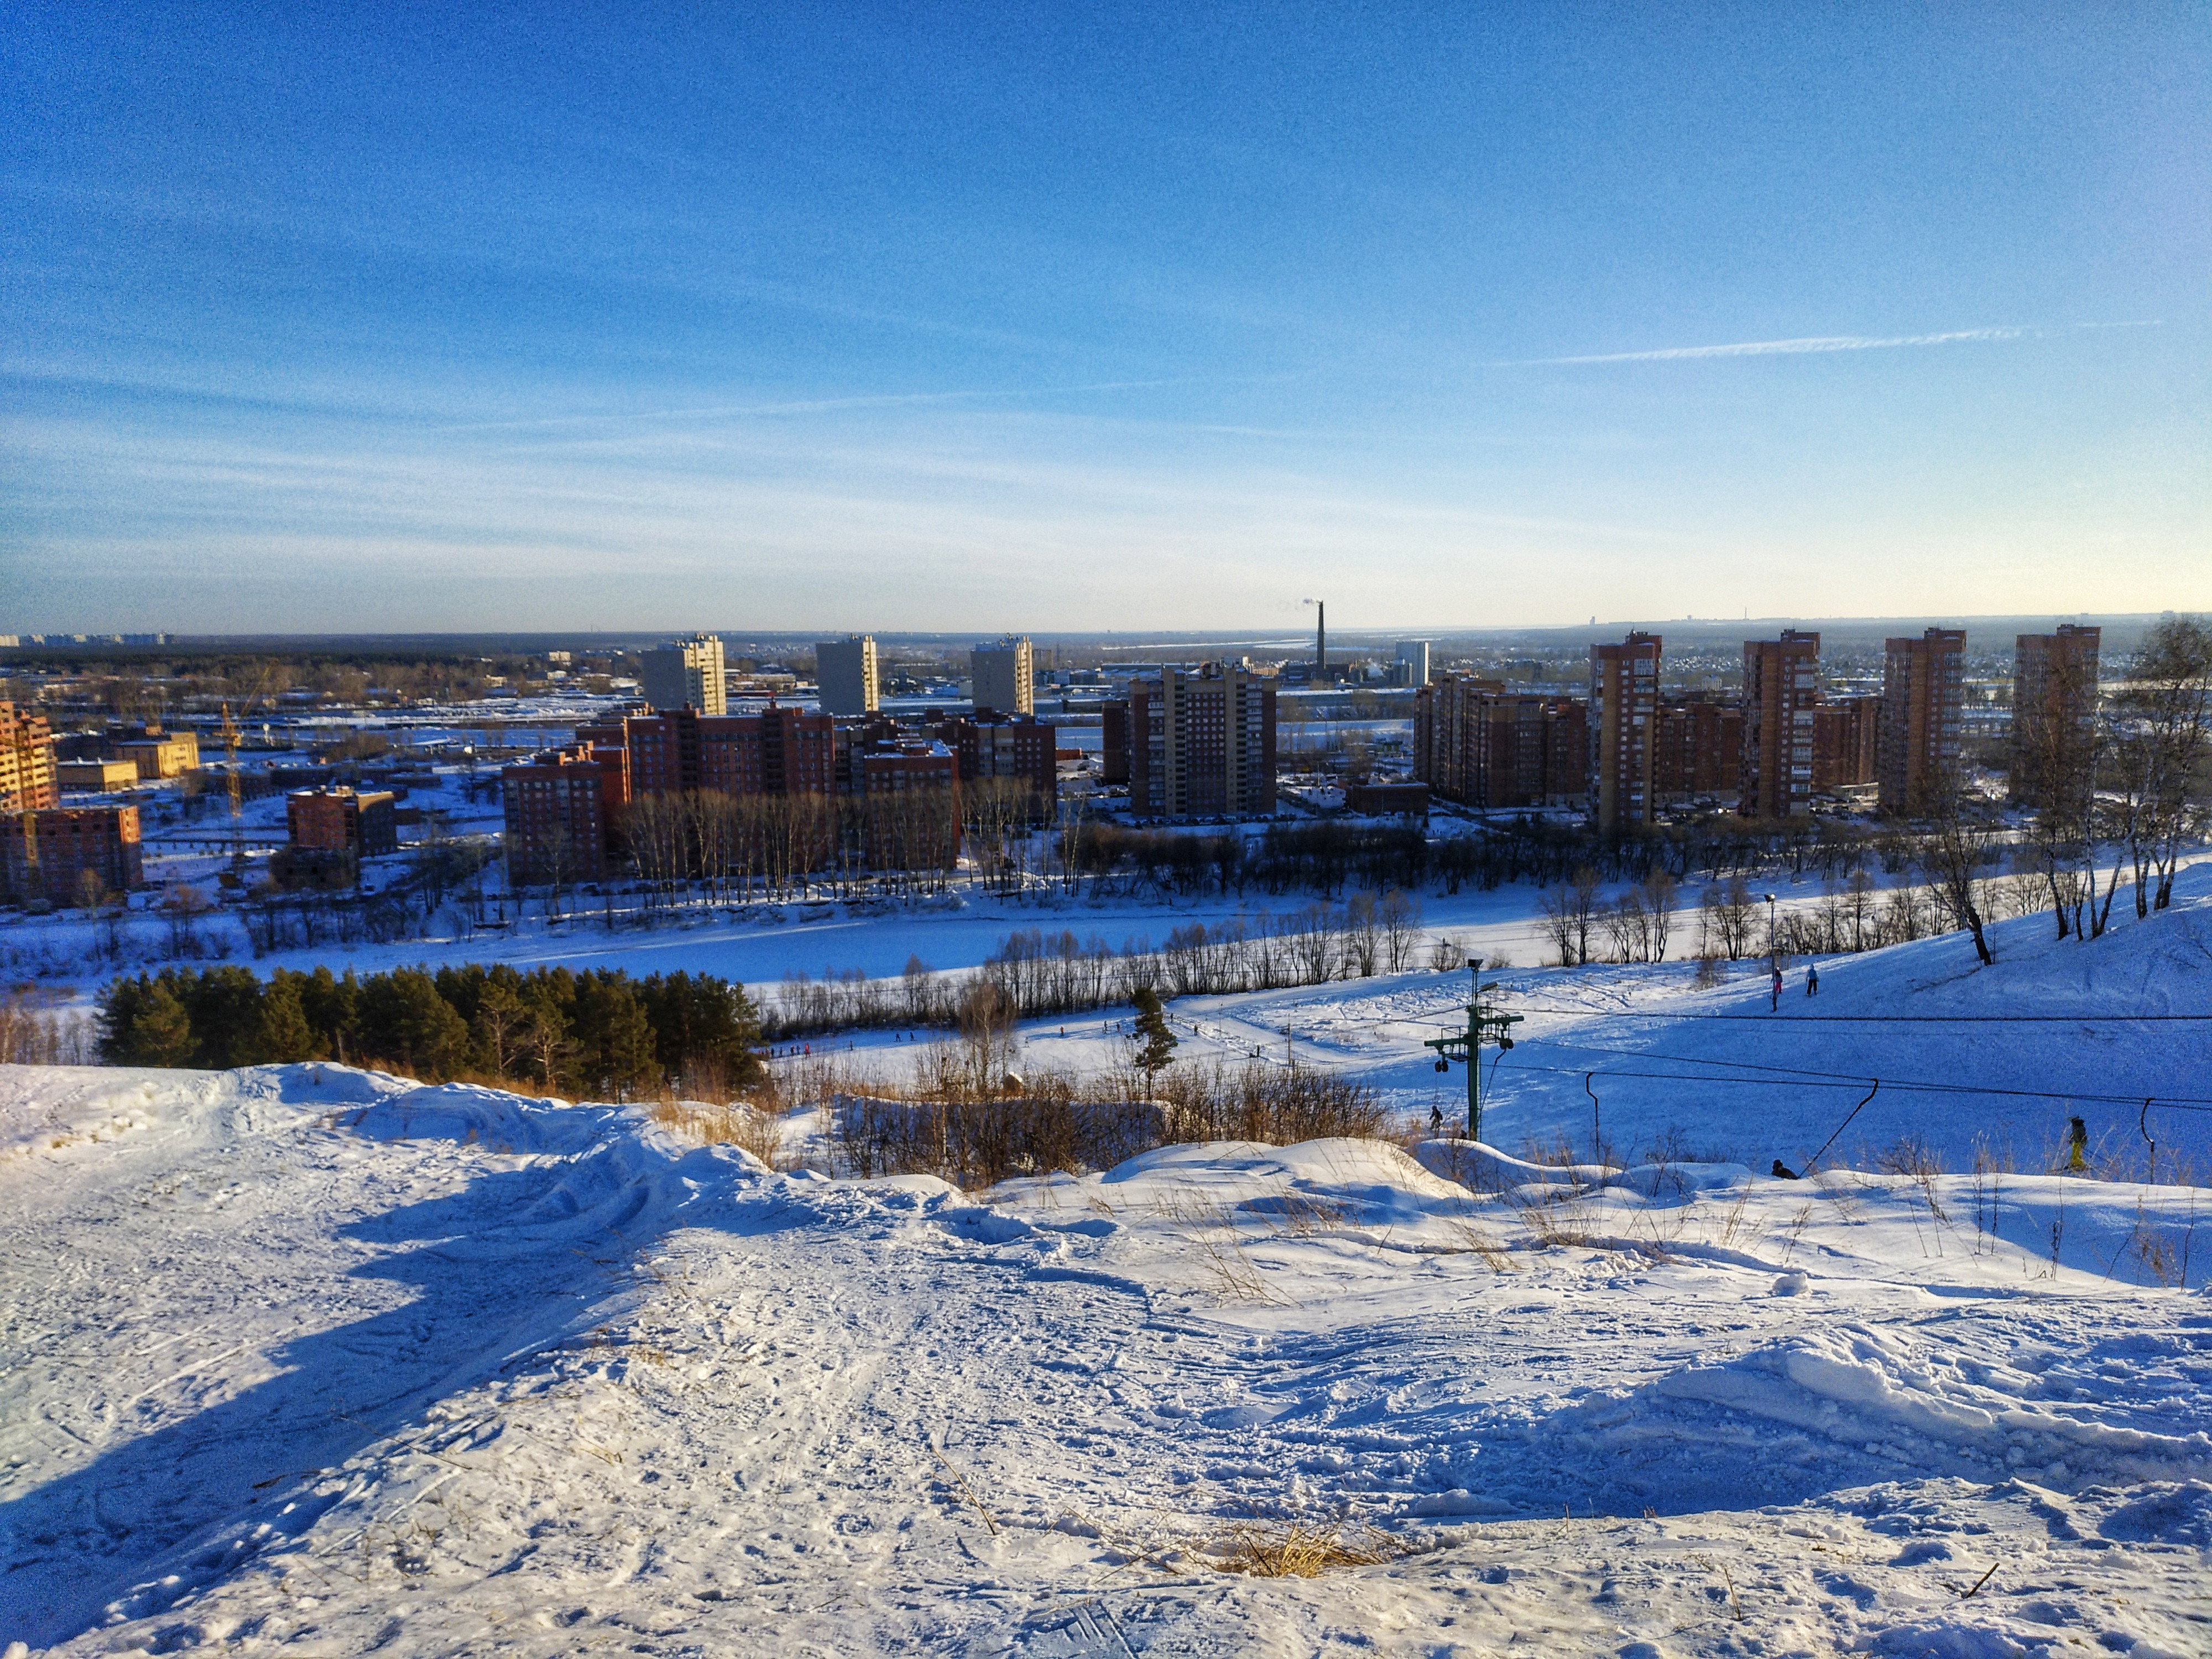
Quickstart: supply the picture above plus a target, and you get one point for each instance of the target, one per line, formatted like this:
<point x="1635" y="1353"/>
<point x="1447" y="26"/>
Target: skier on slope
<point x="1775" y="1000"/>
<point x="1812" y="982"/>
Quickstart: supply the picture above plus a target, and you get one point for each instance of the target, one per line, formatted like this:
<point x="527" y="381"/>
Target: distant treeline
<point x="1329" y="856"/>
<point x="591" y="1033"/>
<point x="1037" y="973"/>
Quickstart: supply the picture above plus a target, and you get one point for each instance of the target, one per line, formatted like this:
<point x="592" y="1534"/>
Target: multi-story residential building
<point x="564" y="813"/>
<point x="159" y="754"/>
<point x="363" y="823"/>
<point x="1697" y="751"/>
<point x="1476" y="743"/>
<point x="845" y="672"/>
<point x="1410" y="663"/>
<point x="910" y="811"/>
<point x="1018" y="747"/>
<point x="1923" y="692"/>
<point x="1780" y="690"/>
<point x="1845" y="737"/>
<point x="64" y="853"/>
<point x="687" y="674"/>
<point x="773" y="751"/>
<point x="1199" y="744"/>
<point x="2054" y="710"/>
<point x="27" y="780"/>
<point x="906" y="768"/>
<point x="1624" y="704"/>
<point x="1003" y="676"/>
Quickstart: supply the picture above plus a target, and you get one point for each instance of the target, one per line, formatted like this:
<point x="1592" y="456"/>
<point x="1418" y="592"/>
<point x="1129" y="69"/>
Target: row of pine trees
<point x="594" y="1033"/>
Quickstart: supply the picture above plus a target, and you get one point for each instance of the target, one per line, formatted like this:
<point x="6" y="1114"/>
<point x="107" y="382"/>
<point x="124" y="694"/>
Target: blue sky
<point x="949" y="317"/>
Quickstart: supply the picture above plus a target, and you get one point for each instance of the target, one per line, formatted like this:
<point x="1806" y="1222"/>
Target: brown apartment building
<point x="1845" y="735"/>
<point x="1923" y="699"/>
<point x="1197" y="743"/>
<point x="775" y="751"/>
<point x="564" y="813"/>
<point x="1781" y="691"/>
<point x="48" y="854"/>
<point x="1696" y="752"/>
<point x="1476" y="743"/>
<point x="2054" y="708"/>
<point x="1015" y="747"/>
<point x="362" y="824"/>
<point x="1624" y="707"/>
<point x="27" y="780"/>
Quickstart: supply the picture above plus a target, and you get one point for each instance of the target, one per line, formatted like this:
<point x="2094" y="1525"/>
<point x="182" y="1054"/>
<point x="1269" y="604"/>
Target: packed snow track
<point x="306" y="1360"/>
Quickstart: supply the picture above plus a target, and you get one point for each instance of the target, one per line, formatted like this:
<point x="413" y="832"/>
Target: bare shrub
<point x="762" y="1133"/>
<point x="33" y="1033"/>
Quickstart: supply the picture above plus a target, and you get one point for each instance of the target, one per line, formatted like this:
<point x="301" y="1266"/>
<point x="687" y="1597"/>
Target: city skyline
<point x="415" y="324"/>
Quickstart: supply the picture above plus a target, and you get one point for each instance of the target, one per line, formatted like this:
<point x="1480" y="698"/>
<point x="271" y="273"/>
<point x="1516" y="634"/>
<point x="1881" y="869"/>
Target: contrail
<point x="1782" y="348"/>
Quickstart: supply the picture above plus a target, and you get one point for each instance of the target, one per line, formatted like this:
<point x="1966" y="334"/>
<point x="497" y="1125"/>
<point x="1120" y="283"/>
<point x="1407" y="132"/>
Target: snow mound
<point x="1482" y="1169"/>
<point x="1890" y="1394"/>
<point x="487" y="1117"/>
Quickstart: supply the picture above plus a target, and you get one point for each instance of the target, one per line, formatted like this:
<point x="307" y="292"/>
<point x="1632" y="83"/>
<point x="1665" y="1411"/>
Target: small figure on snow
<point x="1436" y="1123"/>
<point x="2077" y="1146"/>
<point x="1812" y="982"/>
<point x="1775" y="1001"/>
<point x="1782" y="1171"/>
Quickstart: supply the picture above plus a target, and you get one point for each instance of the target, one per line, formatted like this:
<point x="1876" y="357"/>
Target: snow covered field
<point x="306" y="1359"/>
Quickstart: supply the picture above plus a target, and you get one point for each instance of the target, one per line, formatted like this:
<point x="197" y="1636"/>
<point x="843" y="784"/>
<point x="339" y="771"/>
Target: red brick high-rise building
<point x="1698" y="751"/>
<point x="1015" y="747"/>
<point x="1845" y="731"/>
<point x="775" y="751"/>
<point x="2054" y="710"/>
<point x="1781" y="689"/>
<point x="1476" y="743"/>
<point x="1624" y="709"/>
<point x="1923" y="708"/>
<point x="342" y="821"/>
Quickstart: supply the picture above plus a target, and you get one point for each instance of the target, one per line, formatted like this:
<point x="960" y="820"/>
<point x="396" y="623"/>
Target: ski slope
<point x="305" y="1359"/>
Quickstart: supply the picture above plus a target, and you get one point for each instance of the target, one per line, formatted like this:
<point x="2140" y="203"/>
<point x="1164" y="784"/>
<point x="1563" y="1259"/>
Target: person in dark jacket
<point x="1812" y="982"/>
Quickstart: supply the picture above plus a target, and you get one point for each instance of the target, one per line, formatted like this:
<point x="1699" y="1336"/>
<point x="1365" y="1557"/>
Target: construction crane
<point x="231" y="739"/>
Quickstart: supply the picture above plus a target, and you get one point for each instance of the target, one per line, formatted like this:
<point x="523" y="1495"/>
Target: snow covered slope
<point x="306" y="1360"/>
<point x="1992" y="1061"/>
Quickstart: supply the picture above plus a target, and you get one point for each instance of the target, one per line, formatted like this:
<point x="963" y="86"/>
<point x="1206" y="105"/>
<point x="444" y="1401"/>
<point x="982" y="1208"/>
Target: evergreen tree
<point x="404" y="1020"/>
<point x="282" y="1034"/>
<point x="1154" y="1043"/>
<point x="160" y="1030"/>
<point x="613" y="1037"/>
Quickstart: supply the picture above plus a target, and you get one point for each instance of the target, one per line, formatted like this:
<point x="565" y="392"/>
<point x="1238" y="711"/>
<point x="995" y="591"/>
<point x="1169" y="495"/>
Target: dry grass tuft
<point x="1297" y="1549"/>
